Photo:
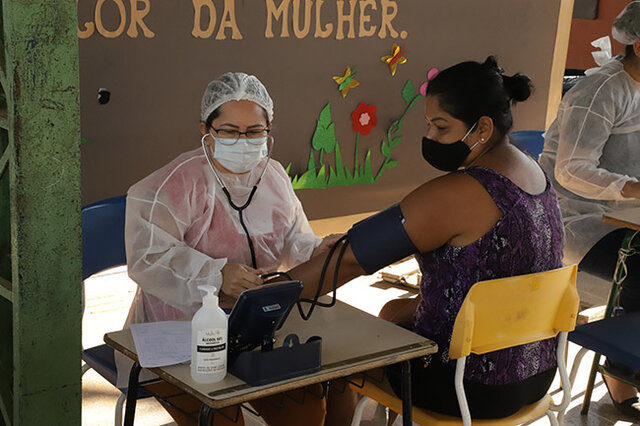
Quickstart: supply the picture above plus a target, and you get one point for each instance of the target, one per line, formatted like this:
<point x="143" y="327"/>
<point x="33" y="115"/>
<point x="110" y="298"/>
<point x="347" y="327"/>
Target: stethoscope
<point x="239" y="209"/>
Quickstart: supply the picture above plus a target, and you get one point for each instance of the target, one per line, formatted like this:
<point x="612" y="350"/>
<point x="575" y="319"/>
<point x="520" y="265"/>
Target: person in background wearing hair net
<point x="221" y="215"/>
<point x="592" y="154"/>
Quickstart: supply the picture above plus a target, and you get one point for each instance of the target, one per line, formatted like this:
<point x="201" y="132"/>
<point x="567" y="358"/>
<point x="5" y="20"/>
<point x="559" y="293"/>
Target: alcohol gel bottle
<point x="209" y="340"/>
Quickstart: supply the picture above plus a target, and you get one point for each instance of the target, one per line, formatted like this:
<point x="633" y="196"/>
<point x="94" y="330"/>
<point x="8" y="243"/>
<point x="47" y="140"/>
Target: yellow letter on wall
<point x="364" y="18"/>
<point x="321" y="33"/>
<point x="228" y="20"/>
<point x="98" y="18"/>
<point x="302" y="33"/>
<point x="387" y="17"/>
<point x="136" y="19"/>
<point x="197" y="30"/>
<point x="342" y="18"/>
<point x="276" y="13"/>
<point x="88" y="31"/>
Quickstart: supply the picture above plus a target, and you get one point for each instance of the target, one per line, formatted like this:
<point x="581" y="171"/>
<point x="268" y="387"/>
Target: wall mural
<point x="363" y="118"/>
<point x="320" y="175"/>
<point x="347" y="78"/>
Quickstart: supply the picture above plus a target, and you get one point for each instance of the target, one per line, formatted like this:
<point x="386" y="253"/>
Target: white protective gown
<point x="180" y="231"/>
<point x="591" y="151"/>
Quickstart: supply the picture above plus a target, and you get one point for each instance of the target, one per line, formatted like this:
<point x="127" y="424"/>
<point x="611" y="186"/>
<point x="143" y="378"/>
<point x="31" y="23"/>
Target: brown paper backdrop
<point x="156" y="84"/>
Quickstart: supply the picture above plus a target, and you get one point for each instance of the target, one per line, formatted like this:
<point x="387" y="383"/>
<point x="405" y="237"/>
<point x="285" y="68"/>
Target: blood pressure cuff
<point x="380" y="240"/>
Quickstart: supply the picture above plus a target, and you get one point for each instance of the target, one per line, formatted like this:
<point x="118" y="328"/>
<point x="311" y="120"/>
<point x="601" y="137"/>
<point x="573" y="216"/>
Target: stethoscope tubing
<point x="233" y="205"/>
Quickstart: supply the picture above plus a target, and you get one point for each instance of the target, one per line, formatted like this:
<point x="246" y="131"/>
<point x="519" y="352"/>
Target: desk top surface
<point x="352" y="341"/>
<point x="629" y="218"/>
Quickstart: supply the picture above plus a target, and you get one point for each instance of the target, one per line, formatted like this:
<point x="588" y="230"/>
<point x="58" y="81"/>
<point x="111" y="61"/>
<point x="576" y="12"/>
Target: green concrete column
<point x="43" y="117"/>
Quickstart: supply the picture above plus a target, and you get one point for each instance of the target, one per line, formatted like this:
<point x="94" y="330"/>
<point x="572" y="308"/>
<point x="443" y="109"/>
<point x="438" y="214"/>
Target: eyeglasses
<point x="254" y="136"/>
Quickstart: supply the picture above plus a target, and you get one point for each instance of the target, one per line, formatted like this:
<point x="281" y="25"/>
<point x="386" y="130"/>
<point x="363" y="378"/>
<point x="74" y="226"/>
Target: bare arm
<point x="631" y="190"/>
<point x="445" y="209"/>
<point x="452" y="209"/>
<point x="309" y="272"/>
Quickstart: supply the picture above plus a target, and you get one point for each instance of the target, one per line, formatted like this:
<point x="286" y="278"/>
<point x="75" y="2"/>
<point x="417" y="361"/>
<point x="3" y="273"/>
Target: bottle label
<point x="211" y="350"/>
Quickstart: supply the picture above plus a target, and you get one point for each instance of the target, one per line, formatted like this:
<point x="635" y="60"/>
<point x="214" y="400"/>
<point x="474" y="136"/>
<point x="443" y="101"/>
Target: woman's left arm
<point x="434" y="213"/>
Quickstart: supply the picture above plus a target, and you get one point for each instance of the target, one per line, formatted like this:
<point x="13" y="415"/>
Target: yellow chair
<point x="498" y="314"/>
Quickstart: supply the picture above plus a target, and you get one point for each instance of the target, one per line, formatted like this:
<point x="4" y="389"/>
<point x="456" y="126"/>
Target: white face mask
<point x="242" y="156"/>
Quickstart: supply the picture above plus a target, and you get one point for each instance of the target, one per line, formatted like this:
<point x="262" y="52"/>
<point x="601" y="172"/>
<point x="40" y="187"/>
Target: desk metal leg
<point x="619" y="276"/>
<point x="586" y="401"/>
<point x="407" y="406"/>
<point x="132" y="394"/>
<point x="205" y="417"/>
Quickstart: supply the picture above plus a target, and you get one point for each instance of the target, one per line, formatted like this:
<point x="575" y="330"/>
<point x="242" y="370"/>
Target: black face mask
<point x="446" y="156"/>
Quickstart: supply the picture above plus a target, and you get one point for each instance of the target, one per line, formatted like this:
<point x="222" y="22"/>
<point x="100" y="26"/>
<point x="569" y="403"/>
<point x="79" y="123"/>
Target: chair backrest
<point x="530" y="141"/>
<point x="103" y="235"/>
<point x="512" y="311"/>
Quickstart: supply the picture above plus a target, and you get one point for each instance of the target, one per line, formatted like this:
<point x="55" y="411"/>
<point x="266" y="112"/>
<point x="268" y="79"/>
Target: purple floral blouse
<point x="529" y="237"/>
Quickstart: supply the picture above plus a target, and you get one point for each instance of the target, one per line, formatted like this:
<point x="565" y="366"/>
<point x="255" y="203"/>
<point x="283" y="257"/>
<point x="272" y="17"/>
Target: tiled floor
<point x="108" y="296"/>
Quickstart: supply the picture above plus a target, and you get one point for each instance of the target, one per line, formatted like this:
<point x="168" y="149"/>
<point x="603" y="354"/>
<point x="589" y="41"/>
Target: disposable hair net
<point x="235" y="86"/>
<point x="626" y="27"/>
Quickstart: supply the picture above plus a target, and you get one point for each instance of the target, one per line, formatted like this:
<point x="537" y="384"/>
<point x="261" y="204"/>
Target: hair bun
<point x="518" y="87"/>
<point x="492" y="63"/>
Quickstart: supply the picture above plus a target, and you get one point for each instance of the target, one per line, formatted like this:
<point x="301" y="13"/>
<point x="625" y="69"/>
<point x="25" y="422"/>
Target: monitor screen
<point x="258" y="313"/>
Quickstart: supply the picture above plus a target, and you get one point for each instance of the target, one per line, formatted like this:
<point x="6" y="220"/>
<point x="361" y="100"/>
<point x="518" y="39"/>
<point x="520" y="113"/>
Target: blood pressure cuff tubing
<point x="380" y="240"/>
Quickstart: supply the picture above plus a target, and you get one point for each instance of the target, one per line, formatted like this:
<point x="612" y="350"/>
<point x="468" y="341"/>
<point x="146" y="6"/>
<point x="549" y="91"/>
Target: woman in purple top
<point x="494" y="215"/>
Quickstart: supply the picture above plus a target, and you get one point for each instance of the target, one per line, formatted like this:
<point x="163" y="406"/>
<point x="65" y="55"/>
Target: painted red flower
<point x="364" y="118"/>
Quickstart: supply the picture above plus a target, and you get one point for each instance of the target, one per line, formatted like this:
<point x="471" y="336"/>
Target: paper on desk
<point x="163" y="343"/>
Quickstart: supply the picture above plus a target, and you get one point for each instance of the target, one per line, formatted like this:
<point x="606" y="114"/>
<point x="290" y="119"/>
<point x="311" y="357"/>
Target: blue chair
<point x="103" y="235"/>
<point x="530" y="141"/>
<point x="103" y="248"/>
<point x="615" y="337"/>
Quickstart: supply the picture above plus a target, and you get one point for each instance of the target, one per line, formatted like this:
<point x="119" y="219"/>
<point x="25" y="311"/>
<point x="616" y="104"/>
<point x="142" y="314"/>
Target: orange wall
<point x="584" y="31"/>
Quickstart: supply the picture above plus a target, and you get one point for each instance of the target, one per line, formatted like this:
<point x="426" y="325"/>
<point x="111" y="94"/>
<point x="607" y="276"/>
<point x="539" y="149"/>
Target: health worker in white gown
<point x="221" y="214"/>
<point x="592" y="155"/>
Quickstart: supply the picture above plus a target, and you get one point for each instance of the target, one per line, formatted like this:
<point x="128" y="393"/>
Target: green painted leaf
<point x="304" y="181"/>
<point x="288" y="169"/>
<point x="368" y="171"/>
<point x="395" y="141"/>
<point x="321" y="174"/>
<point x="408" y="92"/>
<point x="332" y="173"/>
<point x="324" y="137"/>
<point x="391" y="164"/>
<point x="386" y="150"/>
<point x="325" y="115"/>
<point x="334" y="180"/>
<point x="309" y="180"/>
<point x="356" y="155"/>
<point x="348" y="173"/>
<point x="312" y="162"/>
<point x="395" y="127"/>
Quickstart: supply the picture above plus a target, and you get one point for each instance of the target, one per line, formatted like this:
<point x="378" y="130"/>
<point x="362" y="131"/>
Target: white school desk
<point x="629" y="218"/>
<point x="352" y="342"/>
